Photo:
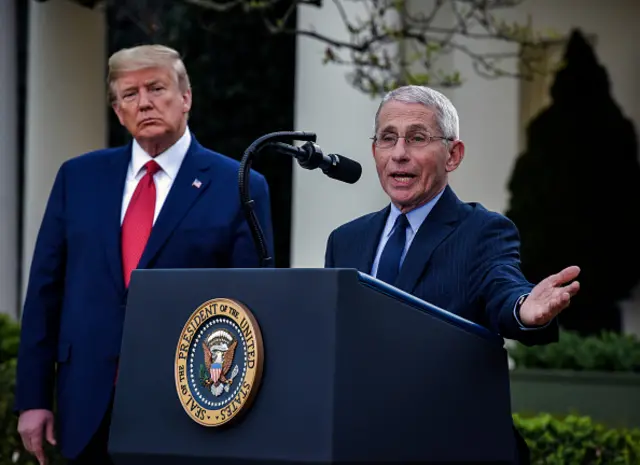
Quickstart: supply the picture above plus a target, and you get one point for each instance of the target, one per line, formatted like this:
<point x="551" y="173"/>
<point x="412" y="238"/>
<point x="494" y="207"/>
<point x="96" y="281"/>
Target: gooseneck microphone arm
<point x="243" y="183"/>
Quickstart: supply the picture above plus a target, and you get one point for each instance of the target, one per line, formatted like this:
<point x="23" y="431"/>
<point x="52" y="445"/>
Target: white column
<point x="342" y="117"/>
<point x="8" y="161"/>
<point x="66" y="102"/>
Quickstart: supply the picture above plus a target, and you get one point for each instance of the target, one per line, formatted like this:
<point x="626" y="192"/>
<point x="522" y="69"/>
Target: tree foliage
<point x="387" y="43"/>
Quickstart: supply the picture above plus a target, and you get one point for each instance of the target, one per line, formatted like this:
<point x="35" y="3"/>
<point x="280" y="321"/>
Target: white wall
<point x="343" y="120"/>
<point x="66" y="105"/>
<point x="488" y="112"/>
<point x="8" y="161"/>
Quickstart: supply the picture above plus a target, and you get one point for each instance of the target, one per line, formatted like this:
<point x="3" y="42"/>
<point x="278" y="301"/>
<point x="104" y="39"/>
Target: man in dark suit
<point x="162" y="201"/>
<point x="458" y="256"/>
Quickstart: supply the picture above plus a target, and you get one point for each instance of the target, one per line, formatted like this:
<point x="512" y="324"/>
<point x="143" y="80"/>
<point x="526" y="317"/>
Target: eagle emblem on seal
<point x="219" y="349"/>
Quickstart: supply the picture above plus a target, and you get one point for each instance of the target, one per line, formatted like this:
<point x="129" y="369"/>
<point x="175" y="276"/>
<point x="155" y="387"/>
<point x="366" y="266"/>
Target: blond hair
<point x="146" y="56"/>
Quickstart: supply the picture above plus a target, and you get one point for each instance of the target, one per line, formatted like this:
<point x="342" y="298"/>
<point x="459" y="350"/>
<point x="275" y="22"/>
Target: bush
<point x="606" y="352"/>
<point x="575" y="440"/>
<point x="11" y="450"/>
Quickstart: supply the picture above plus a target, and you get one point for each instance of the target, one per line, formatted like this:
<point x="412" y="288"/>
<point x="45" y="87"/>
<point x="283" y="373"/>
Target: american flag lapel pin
<point x="196" y="183"/>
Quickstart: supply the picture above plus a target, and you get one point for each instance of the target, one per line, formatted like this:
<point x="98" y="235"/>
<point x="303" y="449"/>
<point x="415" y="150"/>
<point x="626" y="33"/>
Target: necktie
<point x="389" y="265"/>
<point x="138" y="221"/>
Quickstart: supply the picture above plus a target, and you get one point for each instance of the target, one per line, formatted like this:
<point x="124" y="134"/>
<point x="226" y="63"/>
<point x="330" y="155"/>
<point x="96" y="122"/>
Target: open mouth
<point x="403" y="177"/>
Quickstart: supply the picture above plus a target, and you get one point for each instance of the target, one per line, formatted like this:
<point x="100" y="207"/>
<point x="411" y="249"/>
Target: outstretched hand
<point x="550" y="297"/>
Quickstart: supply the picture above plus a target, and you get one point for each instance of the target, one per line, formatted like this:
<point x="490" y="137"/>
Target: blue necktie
<point x="389" y="265"/>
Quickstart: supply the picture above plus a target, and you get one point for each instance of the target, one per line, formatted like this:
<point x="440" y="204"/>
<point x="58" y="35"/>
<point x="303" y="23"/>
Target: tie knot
<point x="402" y="221"/>
<point x="152" y="167"/>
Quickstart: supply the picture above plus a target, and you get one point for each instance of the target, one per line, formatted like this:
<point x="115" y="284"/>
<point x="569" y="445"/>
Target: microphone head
<point x="343" y="169"/>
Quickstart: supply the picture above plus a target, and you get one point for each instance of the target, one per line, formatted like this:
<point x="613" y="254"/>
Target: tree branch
<point x="420" y="37"/>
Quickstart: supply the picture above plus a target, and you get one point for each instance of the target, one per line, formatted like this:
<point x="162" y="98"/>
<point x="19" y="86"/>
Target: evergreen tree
<point x="576" y="192"/>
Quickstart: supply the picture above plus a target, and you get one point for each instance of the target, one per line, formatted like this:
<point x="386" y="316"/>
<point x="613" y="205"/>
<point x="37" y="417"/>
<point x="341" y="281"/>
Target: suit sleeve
<point x="328" y="253"/>
<point x="42" y="308"/>
<point x="498" y="282"/>
<point x="244" y="253"/>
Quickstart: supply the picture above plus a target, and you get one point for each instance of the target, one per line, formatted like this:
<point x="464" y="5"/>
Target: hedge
<point x="606" y="352"/>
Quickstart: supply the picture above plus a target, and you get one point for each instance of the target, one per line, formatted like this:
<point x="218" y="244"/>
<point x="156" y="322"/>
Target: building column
<point x="8" y="160"/>
<point x="66" y="100"/>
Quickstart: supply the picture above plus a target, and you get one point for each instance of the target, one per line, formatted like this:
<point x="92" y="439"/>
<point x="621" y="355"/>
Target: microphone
<point x="310" y="157"/>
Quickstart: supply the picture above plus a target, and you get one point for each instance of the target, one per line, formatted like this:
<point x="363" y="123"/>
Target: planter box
<point x="609" y="398"/>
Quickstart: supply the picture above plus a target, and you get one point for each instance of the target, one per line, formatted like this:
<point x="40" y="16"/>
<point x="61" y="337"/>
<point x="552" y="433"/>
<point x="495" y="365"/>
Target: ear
<point x="118" y="111"/>
<point x="455" y="156"/>
<point x="186" y="101"/>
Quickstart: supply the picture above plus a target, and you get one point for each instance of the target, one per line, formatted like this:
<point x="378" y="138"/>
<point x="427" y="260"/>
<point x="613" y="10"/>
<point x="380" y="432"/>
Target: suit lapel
<point x="111" y="209"/>
<point x="181" y="197"/>
<point x="367" y="245"/>
<point x="440" y="222"/>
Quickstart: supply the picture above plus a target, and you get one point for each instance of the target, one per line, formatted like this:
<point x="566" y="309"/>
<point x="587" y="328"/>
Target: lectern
<point x="313" y="366"/>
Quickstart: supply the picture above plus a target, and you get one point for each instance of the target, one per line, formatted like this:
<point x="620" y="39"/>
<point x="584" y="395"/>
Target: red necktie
<point x="138" y="221"/>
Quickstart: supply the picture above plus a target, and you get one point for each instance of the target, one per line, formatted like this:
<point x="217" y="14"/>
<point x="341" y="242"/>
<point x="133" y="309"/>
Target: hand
<point x="549" y="297"/>
<point x="33" y="425"/>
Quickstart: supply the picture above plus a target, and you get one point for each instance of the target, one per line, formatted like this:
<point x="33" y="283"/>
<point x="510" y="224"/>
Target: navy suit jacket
<point x="73" y="315"/>
<point x="464" y="259"/>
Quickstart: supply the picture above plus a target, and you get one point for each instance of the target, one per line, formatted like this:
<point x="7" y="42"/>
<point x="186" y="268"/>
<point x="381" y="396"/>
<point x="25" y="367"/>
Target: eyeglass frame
<point x="430" y="138"/>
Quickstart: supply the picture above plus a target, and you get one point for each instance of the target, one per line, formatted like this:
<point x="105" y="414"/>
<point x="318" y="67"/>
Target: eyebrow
<point x="413" y="127"/>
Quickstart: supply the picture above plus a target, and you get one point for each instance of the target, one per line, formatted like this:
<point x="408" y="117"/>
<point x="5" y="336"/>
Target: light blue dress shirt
<point x="416" y="217"/>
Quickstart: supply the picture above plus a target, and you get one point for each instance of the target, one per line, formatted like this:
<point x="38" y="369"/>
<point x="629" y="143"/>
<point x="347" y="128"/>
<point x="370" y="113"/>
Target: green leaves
<point x="607" y="352"/>
<point x="577" y="440"/>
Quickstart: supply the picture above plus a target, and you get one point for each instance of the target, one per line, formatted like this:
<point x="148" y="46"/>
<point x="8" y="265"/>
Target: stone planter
<point x="607" y="397"/>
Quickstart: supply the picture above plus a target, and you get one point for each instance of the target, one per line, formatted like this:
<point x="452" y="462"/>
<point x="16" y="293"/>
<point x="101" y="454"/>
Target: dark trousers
<point x="96" y="451"/>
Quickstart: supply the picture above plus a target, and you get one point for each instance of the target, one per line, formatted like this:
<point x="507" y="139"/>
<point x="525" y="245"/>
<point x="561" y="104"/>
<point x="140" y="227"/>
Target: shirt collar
<point x="415" y="217"/>
<point x="169" y="160"/>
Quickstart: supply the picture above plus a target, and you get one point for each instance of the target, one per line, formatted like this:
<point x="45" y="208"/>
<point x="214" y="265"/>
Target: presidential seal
<point x="218" y="363"/>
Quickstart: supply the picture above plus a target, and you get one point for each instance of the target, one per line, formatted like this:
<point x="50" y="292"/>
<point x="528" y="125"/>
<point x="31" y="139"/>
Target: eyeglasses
<point x="417" y="140"/>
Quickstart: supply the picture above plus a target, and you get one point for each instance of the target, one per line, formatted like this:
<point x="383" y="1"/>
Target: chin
<point x="150" y="132"/>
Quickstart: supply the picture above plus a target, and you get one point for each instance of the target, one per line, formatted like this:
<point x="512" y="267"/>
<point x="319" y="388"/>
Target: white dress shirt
<point x="169" y="160"/>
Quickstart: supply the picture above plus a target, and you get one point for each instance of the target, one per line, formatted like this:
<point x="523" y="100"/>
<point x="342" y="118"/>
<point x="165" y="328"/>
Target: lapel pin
<point x="196" y="183"/>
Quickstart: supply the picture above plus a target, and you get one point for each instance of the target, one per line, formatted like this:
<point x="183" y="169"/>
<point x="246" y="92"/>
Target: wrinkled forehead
<point x="146" y="77"/>
<point x="401" y="117"/>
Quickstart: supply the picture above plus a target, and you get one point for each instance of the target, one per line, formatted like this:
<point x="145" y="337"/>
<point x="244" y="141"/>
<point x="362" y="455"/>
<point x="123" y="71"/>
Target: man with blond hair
<point x="427" y="242"/>
<point x="162" y="201"/>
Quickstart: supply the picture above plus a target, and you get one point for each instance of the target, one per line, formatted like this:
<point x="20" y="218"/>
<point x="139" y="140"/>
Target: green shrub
<point x="576" y="440"/>
<point x="607" y="352"/>
<point x="11" y="450"/>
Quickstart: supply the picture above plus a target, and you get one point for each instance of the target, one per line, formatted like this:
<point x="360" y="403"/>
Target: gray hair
<point x="446" y="114"/>
<point x="146" y="56"/>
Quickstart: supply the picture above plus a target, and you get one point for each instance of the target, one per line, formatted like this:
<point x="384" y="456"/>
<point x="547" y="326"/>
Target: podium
<point x="353" y="370"/>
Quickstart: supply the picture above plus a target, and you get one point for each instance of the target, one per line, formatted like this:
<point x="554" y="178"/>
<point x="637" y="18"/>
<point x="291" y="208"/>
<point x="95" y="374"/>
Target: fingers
<point x="558" y="303"/>
<point x="572" y="289"/>
<point x="37" y="450"/>
<point x="49" y="432"/>
<point x="32" y="427"/>
<point x="568" y="274"/>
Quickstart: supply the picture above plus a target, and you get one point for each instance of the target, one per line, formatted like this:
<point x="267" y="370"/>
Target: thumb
<point x="49" y="432"/>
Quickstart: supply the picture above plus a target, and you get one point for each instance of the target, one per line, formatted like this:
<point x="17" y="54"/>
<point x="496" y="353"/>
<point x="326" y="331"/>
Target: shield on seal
<point x="216" y="369"/>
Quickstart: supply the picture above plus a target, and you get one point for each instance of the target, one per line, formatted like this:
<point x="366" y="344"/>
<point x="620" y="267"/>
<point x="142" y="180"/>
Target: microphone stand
<point x="243" y="184"/>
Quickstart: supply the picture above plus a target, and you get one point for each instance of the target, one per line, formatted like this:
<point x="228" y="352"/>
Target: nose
<point x="144" y="101"/>
<point x="399" y="151"/>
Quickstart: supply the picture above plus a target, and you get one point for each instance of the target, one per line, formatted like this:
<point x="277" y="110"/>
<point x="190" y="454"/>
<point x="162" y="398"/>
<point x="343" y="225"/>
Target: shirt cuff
<point x="522" y="326"/>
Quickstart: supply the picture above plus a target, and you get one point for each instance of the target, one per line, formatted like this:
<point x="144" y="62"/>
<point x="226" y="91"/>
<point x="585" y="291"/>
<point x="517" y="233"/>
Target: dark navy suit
<point x="75" y="304"/>
<point x="463" y="258"/>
